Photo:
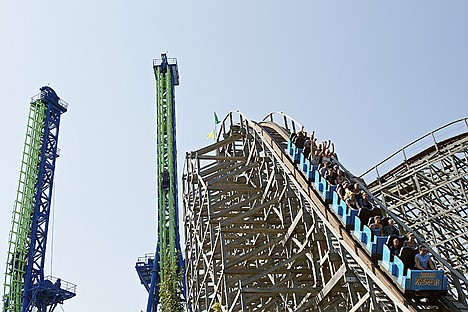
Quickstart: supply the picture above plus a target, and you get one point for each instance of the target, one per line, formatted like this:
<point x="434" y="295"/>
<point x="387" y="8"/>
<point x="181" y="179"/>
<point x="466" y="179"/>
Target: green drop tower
<point x="162" y="274"/>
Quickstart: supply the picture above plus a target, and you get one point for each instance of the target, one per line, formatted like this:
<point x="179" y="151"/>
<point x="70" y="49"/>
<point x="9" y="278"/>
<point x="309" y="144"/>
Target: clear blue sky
<point x="370" y="75"/>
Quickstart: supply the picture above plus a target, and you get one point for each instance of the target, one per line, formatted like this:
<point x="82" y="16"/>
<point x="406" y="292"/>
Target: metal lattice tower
<point x="165" y="269"/>
<point x="426" y="185"/>
<point x="25" y="287"/>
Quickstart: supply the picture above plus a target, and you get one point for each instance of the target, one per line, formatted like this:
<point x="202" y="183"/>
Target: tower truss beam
<point x="25" y="287"/>
<point x="160" y="274"/>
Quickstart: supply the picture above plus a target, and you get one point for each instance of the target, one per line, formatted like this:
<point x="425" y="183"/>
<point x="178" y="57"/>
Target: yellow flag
<point x="211" y="135"/>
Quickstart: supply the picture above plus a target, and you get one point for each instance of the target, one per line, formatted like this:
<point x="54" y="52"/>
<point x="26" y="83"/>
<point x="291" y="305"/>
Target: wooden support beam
<point x="221" y="158"/>
<point x="216" y="145"/>
<point x="230" y="186"/>
<point x="278" y="290"/>
<point x="276" y="267"/>
<point x="331" y="284"/>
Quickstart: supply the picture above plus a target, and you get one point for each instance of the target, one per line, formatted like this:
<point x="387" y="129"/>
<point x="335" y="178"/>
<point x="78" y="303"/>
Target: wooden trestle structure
<point x="426" y="185"/>
<point x="260" y="238"/>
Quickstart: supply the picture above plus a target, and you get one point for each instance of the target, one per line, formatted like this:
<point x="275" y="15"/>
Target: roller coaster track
<point x="260" y="238"/>
<point x="426" y="185"/>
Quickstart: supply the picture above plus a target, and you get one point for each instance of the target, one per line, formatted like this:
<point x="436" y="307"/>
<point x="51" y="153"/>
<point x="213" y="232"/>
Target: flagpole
<point x="213" y="133"/>
<point x="216" y="121"/>
<point x="214" y="130"/>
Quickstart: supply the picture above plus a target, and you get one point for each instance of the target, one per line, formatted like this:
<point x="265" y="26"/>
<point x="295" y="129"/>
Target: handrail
<point x="61" y="102"/>
<point x="63" y="284"/>
<point x="294" y="124"/>
<point x="434" y="137"/>
<point x="145" y="258"/>
<point x="170" y="61"/>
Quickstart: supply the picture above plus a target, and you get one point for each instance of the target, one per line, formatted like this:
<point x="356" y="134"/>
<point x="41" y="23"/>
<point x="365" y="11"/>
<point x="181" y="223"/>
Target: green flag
<point x="216" y="119"/>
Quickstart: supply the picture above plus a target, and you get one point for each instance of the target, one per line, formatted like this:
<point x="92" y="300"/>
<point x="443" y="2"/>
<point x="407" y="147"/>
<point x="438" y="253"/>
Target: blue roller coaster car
<point x="408" y="278"/>
<point x="400" y="268"/>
